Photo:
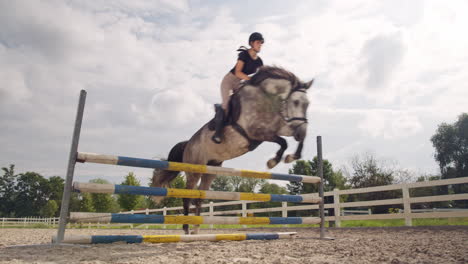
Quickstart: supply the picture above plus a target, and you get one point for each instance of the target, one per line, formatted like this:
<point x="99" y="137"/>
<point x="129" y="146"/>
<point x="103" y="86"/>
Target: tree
<point x="86" y="203"/>
<point x="272" y="188"/>
<point x="451" y="146"/>
<point x="129" y="201"/>
<point x="56" y="184"/>
<point x="102" y="202"/>
<point x="369" y="172"/>
<point x="222" y="184"/>
<point x="250" y="184"/>
<point x="7" y="191"/>
<point x="332" y="179"/>
<point x="451" y="152"/>
<point x="32" y="194"/>
<point x="269" y="188"/>
<point x="50" y="209"/>
<point x="236" y="182"/>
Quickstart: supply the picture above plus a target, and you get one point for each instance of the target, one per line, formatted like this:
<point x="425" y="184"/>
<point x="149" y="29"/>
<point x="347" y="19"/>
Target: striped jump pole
<point x="194" y="194"/>
<point x="174" y="238"/>
<point x="196" y="168"/>
<point x="191" y="220"/>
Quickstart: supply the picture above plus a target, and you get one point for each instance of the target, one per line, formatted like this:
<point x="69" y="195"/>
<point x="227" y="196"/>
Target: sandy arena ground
<point x="352" y="245"/>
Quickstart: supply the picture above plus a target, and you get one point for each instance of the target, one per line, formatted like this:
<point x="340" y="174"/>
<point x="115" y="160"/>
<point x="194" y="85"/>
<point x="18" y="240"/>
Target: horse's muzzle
<point x="300" y="132"/>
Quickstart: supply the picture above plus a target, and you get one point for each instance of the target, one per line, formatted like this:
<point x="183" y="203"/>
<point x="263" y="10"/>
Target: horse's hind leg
<point x="205" y="184"/>
<point x="283" y="146"/>
<point x="192" y="180"/>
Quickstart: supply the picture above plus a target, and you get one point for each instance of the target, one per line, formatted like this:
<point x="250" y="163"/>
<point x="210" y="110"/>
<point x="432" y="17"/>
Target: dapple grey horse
<point x="272" y="105"/>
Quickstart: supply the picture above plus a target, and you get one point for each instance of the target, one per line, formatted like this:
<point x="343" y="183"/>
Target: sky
<point x="387" y="73"/>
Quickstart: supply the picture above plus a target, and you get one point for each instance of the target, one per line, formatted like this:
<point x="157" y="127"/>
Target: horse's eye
<point x="296" y="103"/>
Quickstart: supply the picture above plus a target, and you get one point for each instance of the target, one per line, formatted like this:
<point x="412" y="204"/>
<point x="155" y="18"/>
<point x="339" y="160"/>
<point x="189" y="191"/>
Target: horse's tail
<point x="162" y="178"/>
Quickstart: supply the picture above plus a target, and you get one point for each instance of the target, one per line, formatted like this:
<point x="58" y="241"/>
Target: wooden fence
<point x="28" y="222"/>
<point x="342" y="210"/>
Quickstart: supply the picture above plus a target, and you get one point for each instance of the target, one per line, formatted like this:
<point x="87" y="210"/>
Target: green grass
<point x="373" y="223"/>
<point x="440" y="221"/>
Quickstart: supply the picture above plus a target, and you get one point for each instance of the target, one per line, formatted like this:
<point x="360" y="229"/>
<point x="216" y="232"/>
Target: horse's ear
<point x="307" y="85"/>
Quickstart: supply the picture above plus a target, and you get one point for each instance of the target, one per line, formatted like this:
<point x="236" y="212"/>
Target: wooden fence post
<point x="284" y="211"/>
<point x="164" y="213"/>
<point x="407" y="206"/>
<point x="146" y="213"/>
<point x="244" y="211"/>
<point x="336" y="207"/>
<point x="211" y="212"/>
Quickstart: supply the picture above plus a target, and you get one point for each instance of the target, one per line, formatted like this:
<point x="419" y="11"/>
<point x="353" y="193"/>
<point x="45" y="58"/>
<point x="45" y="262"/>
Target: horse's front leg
<point x="297" y="155"/>
<point x="279" y="154"/>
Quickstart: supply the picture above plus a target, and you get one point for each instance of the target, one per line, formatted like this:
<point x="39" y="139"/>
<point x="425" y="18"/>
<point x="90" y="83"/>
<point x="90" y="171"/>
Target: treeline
<point x="31" y="194"/>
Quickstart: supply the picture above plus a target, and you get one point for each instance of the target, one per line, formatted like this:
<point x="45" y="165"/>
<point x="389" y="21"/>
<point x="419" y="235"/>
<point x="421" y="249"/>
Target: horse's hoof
<point x="272" y="163"/>
<point x="289" y="158"/>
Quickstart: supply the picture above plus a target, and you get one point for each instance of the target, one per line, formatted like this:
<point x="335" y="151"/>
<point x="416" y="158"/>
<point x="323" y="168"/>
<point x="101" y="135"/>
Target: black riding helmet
<point x="256" y="36"/>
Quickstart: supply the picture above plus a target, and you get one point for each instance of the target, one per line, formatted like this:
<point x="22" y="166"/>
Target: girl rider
<point x="247" y="63"/>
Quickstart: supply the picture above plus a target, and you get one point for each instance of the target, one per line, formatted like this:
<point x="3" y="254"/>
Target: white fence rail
<point x="340" y="213"/>
<point x="28" y="221"/>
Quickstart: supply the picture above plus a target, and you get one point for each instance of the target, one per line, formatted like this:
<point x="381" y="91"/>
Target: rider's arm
<point x="238" y="71"/>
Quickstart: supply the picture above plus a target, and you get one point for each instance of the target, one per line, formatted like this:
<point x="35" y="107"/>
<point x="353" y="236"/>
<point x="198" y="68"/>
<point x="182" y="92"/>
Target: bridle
<point x="284" y="108"/>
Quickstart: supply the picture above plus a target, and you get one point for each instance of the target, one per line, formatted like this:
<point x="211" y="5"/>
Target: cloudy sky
<point x="387" y="73"/>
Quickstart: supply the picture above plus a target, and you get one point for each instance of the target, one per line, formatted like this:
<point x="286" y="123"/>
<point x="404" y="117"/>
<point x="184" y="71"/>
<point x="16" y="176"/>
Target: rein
<point x="284" y="108"/>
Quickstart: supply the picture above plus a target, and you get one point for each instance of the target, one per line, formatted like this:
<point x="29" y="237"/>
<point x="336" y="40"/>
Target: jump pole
<point x="187" y="167"/>
<point x="321" y="193"/>
<point x="83" y="217"/>
<point x="71" y="168"/>
<point x="192" y="194"/>
<point x="174" y="238"/>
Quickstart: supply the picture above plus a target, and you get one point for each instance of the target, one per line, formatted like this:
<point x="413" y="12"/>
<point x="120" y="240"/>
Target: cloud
<point x="381" y="57"/>
<point x="389" y="125"/>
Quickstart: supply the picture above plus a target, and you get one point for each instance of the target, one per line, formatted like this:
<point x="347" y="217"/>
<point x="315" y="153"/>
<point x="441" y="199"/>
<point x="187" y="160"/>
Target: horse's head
<point x="291" y="95"/>
<point x="294" y="111"/>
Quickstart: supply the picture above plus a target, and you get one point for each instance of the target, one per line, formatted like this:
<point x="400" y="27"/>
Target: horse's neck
<point x="259" y="112"/>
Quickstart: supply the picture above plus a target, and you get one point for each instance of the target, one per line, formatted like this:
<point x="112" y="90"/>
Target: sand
<point x="351" y="245"/>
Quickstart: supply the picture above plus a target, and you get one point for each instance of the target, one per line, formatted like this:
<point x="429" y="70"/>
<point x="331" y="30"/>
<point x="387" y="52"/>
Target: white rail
<point x="28" y="221"/>
<point x="340" y="213"/>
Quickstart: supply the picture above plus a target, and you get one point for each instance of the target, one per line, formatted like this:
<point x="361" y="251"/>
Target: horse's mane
<point x="273" y="72"/>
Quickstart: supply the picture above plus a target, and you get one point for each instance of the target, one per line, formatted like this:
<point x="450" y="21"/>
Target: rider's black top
<point x="250" y="65"/>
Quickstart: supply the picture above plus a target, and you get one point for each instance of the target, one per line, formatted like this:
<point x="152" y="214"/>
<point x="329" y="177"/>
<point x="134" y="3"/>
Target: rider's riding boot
<point x="219" y="124"/>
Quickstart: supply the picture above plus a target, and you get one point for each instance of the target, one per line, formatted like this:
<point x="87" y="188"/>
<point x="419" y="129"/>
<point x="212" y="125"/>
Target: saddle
<point x="231" y="120"/>
<point x="233" y="114"/>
